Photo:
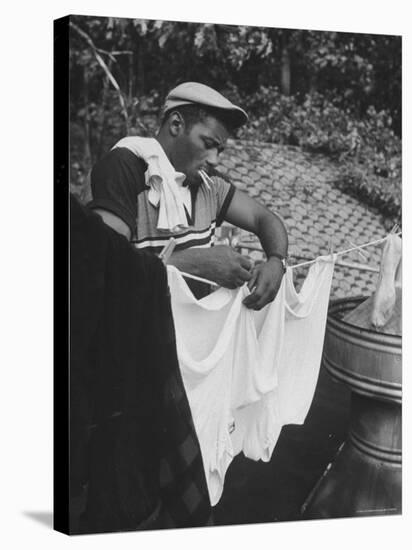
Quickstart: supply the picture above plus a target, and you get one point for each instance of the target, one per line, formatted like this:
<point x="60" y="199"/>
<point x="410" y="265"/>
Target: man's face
<point x="199" y="147"/>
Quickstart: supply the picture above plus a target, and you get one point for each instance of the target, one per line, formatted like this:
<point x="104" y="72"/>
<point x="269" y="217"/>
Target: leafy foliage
<point x="328" y="92"/>
<point x="381" y="193"/>
<point x="368" y="150"/>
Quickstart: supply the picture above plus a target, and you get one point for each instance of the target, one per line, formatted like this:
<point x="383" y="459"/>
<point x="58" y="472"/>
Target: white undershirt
<point x="256" y="369"/>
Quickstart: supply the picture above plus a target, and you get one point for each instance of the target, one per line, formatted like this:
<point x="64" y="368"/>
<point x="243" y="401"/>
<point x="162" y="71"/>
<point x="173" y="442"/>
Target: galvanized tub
<point x="365" y="477"/>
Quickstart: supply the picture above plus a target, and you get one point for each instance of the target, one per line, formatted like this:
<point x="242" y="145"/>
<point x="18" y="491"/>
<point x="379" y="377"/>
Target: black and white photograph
<point x="203" y="221"/>
<point x="235" y="255"/>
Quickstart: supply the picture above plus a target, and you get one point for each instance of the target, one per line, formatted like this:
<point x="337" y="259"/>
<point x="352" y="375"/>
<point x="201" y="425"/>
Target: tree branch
<point x="105" y="68"/>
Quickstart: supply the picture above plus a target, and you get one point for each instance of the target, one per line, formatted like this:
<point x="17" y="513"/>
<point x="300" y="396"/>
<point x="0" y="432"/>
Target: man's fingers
<point x="251" y="301"/>
<point x="268" y="296"/>
<point x="265" y="291"/>
<point x="252" y="281"/>
<point x="262" y="302"/>
<point x="257" y="295"/>
<point x="244" y="275"/>
<point x="246" y="263"/>
<point x="260" y="297"/>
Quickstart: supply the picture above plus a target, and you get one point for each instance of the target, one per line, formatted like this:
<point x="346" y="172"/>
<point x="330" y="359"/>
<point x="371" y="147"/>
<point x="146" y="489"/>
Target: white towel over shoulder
<point x="164" y="182"/>
<point x="248" y="373"/>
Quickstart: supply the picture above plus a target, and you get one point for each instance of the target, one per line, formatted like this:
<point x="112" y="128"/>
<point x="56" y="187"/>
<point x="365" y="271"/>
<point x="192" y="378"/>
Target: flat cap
<point x="196" y="93"/>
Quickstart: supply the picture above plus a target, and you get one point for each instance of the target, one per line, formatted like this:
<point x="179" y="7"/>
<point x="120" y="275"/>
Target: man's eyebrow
<point x="217" y="142"/>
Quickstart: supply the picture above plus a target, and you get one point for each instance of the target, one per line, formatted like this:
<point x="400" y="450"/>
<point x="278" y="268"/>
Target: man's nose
<point x="212" y="158"/>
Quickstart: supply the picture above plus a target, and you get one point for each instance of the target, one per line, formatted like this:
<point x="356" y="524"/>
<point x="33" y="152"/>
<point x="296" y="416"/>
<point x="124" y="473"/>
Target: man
<point x="128" y="194"/>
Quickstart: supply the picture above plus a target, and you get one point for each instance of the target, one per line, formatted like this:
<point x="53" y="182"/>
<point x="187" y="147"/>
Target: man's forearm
<point x="221" y="264"/>
<point x="248" y="214"/>
<point x="193" y="260"/>
<point x="272" y="235"/>
<point x="267" y="276"/>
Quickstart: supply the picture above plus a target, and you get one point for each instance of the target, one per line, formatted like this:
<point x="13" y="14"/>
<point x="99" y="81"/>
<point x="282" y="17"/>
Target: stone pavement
<point x="299" y="187"/>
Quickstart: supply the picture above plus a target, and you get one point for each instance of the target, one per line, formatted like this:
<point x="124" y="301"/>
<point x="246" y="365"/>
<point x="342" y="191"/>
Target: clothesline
<point x="195" y="278"/>
<point x="340" y="253"/>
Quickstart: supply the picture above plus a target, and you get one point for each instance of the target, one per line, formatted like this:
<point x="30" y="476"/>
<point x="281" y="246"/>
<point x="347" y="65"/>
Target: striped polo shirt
<point x="119" y="185"/>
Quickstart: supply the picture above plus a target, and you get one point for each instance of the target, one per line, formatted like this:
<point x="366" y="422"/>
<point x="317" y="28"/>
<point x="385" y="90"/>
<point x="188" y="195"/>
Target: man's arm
<point x="116" y="181"/>
<point x="221" y="264"/>
<point x="231" y="269"/>
<point x="248" y="214"/>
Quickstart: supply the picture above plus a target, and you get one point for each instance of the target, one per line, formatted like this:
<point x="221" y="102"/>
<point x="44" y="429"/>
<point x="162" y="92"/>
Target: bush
<point x="367" y="149"/>
<point x="381" y="193"/>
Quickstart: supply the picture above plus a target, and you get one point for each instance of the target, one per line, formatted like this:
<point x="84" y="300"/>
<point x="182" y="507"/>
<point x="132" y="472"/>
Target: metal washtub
<point x="365" y="477"/>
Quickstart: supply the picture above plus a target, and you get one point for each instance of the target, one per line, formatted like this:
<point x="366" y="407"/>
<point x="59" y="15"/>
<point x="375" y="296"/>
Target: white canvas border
<point x="26" y="283"/>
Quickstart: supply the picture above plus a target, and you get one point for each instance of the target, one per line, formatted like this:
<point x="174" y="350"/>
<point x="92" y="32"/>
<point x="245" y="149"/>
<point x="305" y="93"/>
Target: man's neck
<point x="166" y="146"/>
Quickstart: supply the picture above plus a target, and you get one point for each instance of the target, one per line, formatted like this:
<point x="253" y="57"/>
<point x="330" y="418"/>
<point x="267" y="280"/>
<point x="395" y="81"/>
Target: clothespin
<point x="333" y="256"/>
<point x="167" y="250"/>
<point x="362" y="254"/>
<point x="394" y="229"/>
<point x="205" y="178"/>
<point x="331" y="251"/>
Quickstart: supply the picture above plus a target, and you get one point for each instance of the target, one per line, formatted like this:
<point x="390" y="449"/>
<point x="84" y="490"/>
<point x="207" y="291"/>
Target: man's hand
<point x="229" y="268"/>
<point x="248" y="214"/>
<point x="265" y="282"/>
<point x="220" y="263"/>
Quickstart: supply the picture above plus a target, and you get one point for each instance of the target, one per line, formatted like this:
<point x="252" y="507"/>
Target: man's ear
<point x="176" y="124"/>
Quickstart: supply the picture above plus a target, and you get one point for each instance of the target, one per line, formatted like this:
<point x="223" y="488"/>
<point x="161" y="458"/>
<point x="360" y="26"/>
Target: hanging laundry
<point x="248" y="373"/>
<point x="383" y="310"/>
